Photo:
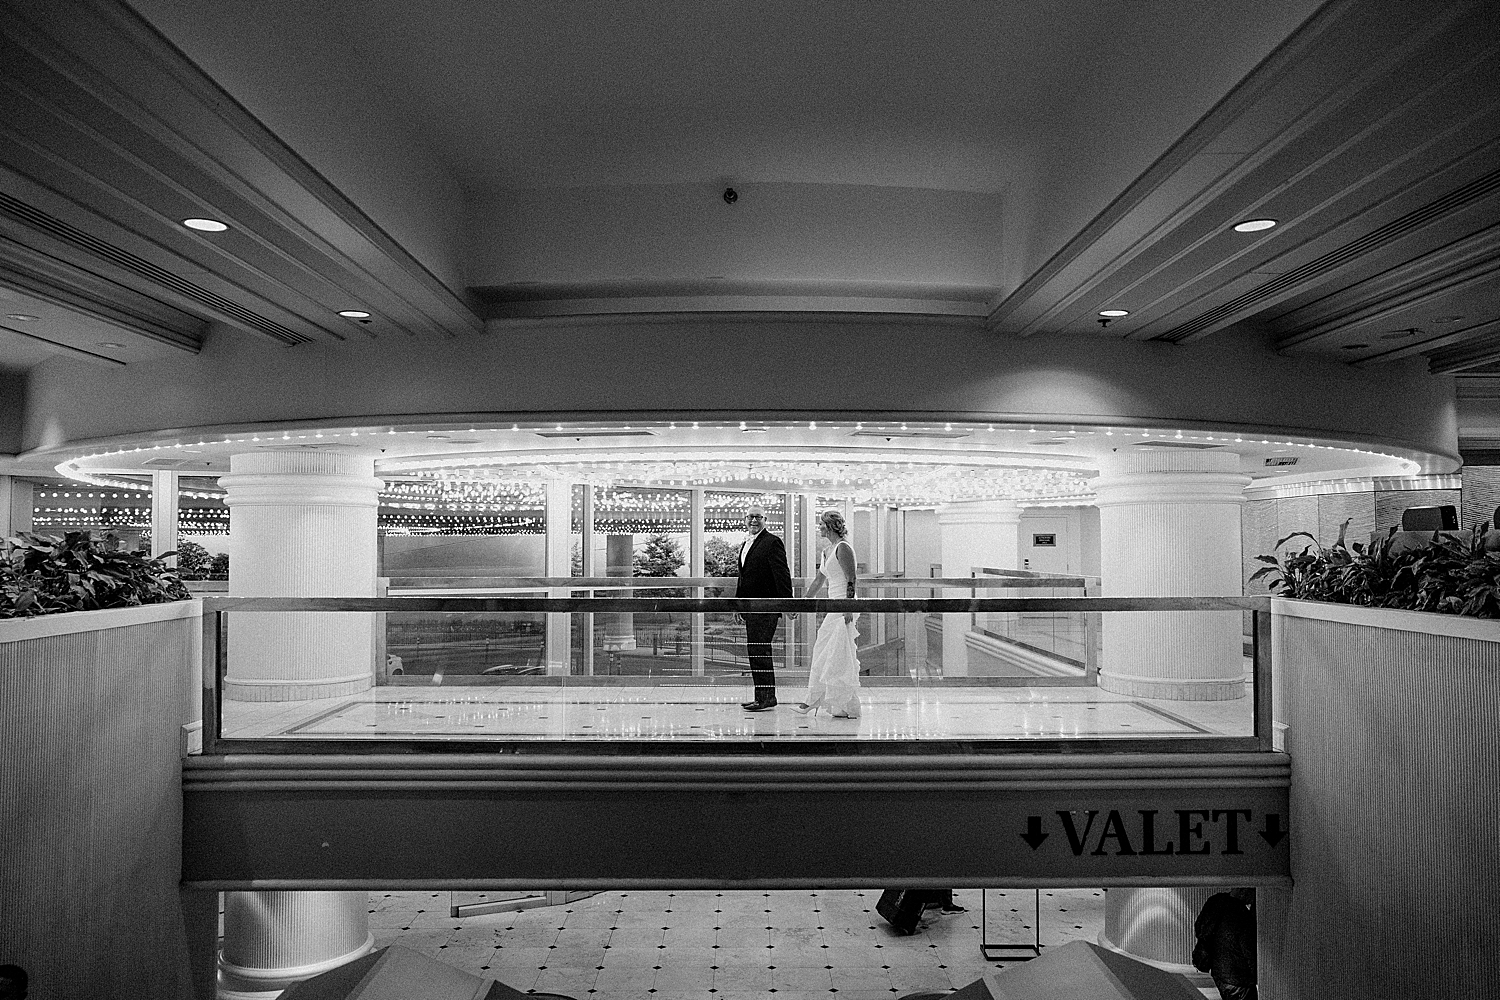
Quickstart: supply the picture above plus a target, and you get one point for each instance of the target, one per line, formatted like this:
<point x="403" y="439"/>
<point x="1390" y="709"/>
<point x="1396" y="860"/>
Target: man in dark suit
<point x="763" y="573"/>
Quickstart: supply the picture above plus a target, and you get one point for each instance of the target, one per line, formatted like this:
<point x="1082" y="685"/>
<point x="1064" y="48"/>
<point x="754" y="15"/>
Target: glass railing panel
<point x="583" y="671"/>
<point x="426" y="647"/>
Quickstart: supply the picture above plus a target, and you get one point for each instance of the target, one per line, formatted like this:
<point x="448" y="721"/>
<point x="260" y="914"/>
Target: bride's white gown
<point x="833" y="680"/>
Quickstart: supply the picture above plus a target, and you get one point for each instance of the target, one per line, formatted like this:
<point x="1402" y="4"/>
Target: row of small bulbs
<point x="812" y="425"/>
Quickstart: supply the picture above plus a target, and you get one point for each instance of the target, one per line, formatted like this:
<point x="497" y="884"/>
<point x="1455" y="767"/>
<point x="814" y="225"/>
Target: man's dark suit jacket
<point x="765" y="572"/>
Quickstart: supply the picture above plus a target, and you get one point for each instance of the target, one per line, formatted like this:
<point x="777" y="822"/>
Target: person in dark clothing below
<point x="903" y="908"/>
<point x="13" y="980"/>
<point x="1226" y="943"/>
<point x="942" y="901"/>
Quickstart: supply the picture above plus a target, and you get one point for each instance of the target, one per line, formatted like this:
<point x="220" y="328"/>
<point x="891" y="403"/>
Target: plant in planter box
<point x="44" y="575"/>
<point x="1452" y="575"/>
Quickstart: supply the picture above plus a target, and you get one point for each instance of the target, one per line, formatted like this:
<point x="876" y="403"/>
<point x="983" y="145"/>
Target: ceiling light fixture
<point x="1447" y="319"/>
<point x="354" y="314"/>
<point x="1254" y="225"/>
<point x="109" y="344"/>
<point x="21" y="317"/>
<point x="1354" y="347"/>
<point x="205" y="225"/>
<point x="1114" y="313"/>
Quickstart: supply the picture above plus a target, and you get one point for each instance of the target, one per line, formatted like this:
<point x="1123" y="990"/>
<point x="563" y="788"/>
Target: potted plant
<point x="44" y="575"/>
<point x="1450" y="575"/>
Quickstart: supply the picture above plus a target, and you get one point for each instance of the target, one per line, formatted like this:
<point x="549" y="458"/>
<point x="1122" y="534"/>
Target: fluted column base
<point x="275" y="939"/>
<point x="282" y="690"/>
<point x="1205" y="689"/>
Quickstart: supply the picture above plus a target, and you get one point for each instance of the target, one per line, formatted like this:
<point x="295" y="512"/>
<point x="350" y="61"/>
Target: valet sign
<point x="1177" y="833"/>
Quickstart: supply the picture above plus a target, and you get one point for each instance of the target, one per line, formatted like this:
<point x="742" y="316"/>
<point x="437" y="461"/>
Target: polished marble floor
<point x="706" y="714"/>
<point x="731" y="945"/>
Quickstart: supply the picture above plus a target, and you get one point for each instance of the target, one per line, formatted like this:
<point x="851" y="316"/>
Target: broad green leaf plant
<point x="1451" y="575"/>
<point x="45" y="575"/>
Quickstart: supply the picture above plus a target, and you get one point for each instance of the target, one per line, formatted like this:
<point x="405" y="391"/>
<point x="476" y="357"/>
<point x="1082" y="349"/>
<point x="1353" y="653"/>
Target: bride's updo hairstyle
<point x="834" y="522"/>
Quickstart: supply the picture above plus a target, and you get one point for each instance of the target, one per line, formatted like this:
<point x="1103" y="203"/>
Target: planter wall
<point x="1392" y="720"/>
<point x="1320" y="509"/>
<point x="92" y="710"/>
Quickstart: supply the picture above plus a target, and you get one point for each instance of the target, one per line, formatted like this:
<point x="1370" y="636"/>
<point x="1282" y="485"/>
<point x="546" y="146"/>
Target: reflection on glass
<point x="924" y="676"/>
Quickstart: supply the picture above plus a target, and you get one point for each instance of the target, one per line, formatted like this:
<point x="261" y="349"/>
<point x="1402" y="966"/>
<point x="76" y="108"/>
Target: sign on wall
<point x="1039" y="541"/>
<point x="1164" y="835"/>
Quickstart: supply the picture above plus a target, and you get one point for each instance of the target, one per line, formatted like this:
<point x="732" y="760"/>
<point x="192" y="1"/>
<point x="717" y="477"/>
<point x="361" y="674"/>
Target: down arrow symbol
<point x="1034" y="835"/>
<point x="1273" y="831"/>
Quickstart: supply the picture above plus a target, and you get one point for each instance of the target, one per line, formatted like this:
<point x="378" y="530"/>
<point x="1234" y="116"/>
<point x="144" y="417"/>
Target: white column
<point x="164" y="513"/>
<point x="586" y="541"/>
<point x="586" y="544"/>
<point x="558" y="561"/>
<point x="1154" y="926"/>
<point x="879" y="566"/>
<point x="807" y="541"/>
<point x="16" y="502"/>
<point x="807" y="562"/>
<point x="697" y="566"/>
<point x="303" y="526"/>
<point x="983" y="533"/>
<point x="1169" y="526"/>
<point x="789" y="540"/>
<point x="897" y="557"/>
<point x="275" y="939"/>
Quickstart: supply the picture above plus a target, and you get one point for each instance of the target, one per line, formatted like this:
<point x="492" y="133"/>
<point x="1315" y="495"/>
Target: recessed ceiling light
<point x="1447" y="319"/>
<point x="354" y="313"/>
<point x="1114" y="313"/>
<point x="21" y="317"/>
<point x="205" y="225"/>
<point x="1354" y="347"/>
<point x="1254" y="225"/>
<point x="1399" y="334"/>
<point x="110" y="344"/>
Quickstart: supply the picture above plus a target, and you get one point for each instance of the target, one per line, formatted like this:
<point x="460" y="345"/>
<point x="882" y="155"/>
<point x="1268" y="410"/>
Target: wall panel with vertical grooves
<point x="1481" y="494"/>
<point x="1395" y="744"/>
<point x="90" y="818"/>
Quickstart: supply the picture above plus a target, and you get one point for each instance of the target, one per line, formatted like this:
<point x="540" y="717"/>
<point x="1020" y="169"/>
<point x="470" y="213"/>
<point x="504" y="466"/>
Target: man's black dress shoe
<point x="758" y="706"/>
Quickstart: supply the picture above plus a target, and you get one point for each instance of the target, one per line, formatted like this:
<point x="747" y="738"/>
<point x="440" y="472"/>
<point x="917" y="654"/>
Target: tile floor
<point x="731" y="945"/>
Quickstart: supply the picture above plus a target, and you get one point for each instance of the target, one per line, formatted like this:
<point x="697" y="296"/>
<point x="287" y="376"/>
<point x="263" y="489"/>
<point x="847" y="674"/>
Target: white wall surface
<point x="702" y="365"/>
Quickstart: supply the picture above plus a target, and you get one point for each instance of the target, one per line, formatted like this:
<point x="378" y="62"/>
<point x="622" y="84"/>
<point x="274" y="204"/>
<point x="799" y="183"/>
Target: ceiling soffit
<point x="111" y="137"/>
<point x="1370" y="135"/>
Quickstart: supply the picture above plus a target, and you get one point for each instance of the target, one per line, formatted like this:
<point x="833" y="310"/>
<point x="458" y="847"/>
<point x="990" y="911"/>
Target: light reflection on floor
<point x="617" y="712"/>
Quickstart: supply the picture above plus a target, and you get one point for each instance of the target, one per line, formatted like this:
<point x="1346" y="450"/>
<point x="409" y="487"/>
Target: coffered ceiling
<point x="452" y="168"/>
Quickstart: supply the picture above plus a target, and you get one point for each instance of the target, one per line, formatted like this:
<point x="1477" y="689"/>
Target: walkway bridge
<point x="575" y="778"/>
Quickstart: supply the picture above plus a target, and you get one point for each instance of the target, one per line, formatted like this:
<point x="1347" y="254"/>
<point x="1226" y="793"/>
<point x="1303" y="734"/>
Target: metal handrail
<point x="777" y="605"/>
<point x="216" y="609"/>
<point x="721" y="582"/>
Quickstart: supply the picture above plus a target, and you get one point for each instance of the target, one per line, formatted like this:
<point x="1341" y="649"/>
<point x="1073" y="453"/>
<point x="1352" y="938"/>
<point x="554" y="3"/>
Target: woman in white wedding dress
<point x="833" y="680"/>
